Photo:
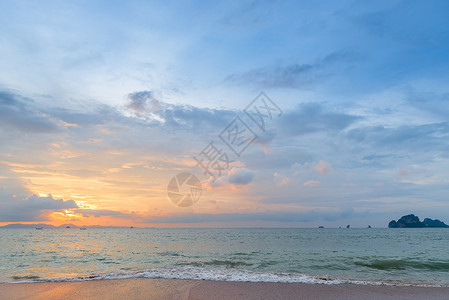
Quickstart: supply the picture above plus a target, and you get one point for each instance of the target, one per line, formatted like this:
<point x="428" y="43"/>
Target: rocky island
<point x="412" y="221"/>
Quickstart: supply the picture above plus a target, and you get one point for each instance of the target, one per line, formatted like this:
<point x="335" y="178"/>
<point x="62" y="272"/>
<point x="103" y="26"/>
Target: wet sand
<point x="195" y="289"/>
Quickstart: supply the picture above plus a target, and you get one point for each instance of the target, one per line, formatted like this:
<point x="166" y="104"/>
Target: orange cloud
<point x="323" y="168"/>
<point x="312" y="183"/>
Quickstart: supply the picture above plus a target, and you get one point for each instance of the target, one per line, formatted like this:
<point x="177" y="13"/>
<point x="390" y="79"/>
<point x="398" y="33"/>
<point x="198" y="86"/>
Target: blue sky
<point x="102" y="102"/>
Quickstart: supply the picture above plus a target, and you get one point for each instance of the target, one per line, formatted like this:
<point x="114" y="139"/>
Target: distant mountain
<point x="19" y="225"/>
<point x="412" y="221"/>
<point x="434" y="223"/>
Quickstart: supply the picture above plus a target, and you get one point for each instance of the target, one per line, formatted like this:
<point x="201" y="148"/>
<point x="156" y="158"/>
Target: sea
<point x="409" y="257"/>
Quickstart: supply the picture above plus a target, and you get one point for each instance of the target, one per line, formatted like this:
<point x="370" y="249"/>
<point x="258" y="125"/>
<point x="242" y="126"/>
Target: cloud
<point x="188" y="117"/>
<point x="280" y="180"/>
<point x="178" y="116"/>
<point x="313" y="117"/>
<point x="284" y="181"/>
<point x="410" y="137"/>
<point x="394" y="23"/>
<point x="241" y="176"/>
<point x="295" y="75"/>
<point x="143" y="102"/>
<point x="103" y="213"/>
<point x="17" y="113"/>
<point x="437" y="104"/>
<point x="137" y="126"/>
<point x="264" y="139"/>
<point x="273" y="216"/>
<point x="322" y="167"/>
<point x="113" y="128"/>
<point x="349" y="185"/>
<point x="312" y="183"/>
<point x="34" y="208"/>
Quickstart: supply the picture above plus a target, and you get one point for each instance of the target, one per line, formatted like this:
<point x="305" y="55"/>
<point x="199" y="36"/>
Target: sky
<point x="103" y="103"/>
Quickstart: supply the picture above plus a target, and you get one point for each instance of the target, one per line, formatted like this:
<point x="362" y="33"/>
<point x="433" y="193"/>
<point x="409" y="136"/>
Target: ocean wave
<point x="402" y="264"/>
<point x="216" y="262"/>
<point x="26" y="277"/>
<point x="227" y="263"/>
<point x="217" y="274"/>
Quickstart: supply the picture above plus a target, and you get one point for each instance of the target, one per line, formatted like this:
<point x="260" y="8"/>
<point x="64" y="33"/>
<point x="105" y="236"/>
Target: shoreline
<point x="244" y="277"/>
<point x="145" y="288"/>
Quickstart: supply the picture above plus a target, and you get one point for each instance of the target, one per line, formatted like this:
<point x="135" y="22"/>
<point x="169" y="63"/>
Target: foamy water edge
<point x="196" y="273"/>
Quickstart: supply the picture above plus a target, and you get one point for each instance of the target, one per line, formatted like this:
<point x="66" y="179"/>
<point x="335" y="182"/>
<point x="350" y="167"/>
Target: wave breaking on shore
<point x="221" y="274"/>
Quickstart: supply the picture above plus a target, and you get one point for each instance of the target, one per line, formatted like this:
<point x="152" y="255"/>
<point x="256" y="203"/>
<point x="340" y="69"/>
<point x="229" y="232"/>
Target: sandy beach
<point x="194" y="289"/>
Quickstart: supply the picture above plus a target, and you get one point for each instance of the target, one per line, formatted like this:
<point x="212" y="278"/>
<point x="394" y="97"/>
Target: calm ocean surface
<point x="331" y="256"/>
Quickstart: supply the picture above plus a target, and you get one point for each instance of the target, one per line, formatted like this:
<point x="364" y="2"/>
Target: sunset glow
<point x="308" y="116"/>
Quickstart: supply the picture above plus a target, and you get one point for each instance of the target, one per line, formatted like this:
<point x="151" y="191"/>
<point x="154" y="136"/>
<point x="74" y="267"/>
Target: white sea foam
<point x="232" y="275"/>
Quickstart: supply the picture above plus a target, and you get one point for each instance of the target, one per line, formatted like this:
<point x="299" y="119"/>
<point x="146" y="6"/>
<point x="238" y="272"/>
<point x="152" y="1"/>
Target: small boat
<point x="67" y="227"/>
<point x="39" y="228"/>
<point x="131" y="227"/>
